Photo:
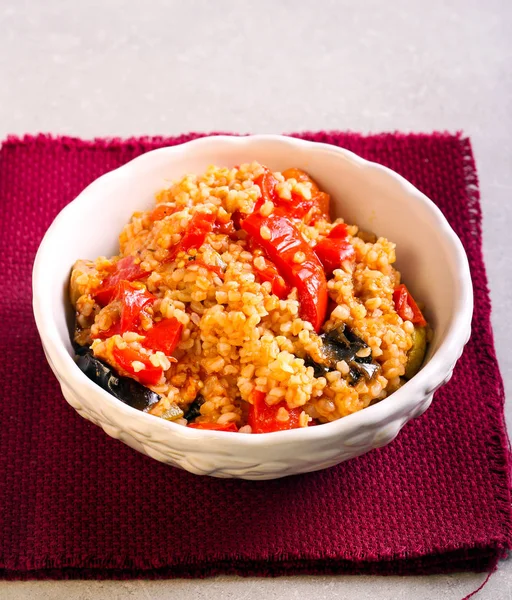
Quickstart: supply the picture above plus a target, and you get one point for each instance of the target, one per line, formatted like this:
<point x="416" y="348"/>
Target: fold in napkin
<point x="75" y="503"/>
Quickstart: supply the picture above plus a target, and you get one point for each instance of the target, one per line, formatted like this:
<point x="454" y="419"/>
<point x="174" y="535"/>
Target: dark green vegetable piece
<point x="193" y="410"/>
<point x="127" y="390"/>
<point x="343" y="344"/>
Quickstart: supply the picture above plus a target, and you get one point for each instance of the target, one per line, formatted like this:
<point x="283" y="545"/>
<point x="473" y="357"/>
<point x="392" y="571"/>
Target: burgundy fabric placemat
<point x="75" y="503"/>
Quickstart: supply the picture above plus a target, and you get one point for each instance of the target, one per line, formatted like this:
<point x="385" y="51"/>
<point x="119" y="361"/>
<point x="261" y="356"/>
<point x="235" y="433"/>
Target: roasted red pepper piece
<point x="324" y="201"/>
<point x="334" y="249"/>
<point x="321" y="199"/>
<point x="339" y="232"/>
<point x="406" y="307"/>
<point x="332" y="253"/>
<point x="214" y="426"/>
<point x="125" y="269"/>
<point x="164" y="336"/>
<point x="301" y="176"/>
<point x="308" y="277"/>
<point x="132" y="301"/>
<point x="198" y="228"/>
<point x="267" y="184"/>
<point x="297" y="207"/>
<point x="263" y="418"/>
<point x="270" y="273"/>
<point x="226" y="228"/>
<point x="125" y="358"/>
<point x="162" y="211"/>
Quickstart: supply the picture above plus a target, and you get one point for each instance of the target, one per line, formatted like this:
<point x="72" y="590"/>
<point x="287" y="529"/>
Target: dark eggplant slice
<point x="193" y="410"/>
<point x="80" y="350"/>
<point x="319" y="370"/>
<point x="343" y="344"/>
<point x="127" y="390"/>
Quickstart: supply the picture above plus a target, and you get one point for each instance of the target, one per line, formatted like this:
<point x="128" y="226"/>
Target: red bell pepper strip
<point x="125" y="358"/>
<point x="334" y="249"/>
<point x="406" y="307"/>
<point x="198" y="228"/>
<point x="308" y="277"/>
<point x="270" y="273"/>
<point x="263" y="418"/>
<point x="164" y="336"/>
<point x="214" y="426"/>
<point x="125" y="269"/>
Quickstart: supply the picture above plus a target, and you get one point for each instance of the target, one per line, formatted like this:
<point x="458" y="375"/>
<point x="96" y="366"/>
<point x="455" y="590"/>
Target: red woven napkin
<point x="75" y="503"/>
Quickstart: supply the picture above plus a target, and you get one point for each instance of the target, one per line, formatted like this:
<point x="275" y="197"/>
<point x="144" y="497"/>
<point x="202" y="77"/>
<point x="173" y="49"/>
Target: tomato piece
<point x="125" y="269"/>
<point x="164" y="336"/>
<point x="198" y="228"/>
<point x="308" y="277"/>
<point x="263" y="418"/>
<point x="332" y="252"/>
<point x="406" y="307"/>
<point x="162" y="211"/>
<point x="149" y="375"/>
<point x="214" y="426"/>
<point x="270" y="273"/>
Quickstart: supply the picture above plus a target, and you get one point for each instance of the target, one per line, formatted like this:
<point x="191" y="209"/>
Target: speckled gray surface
<point x="125" y="67"/>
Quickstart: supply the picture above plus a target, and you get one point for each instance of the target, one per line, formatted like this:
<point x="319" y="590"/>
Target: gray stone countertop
<point x="125" y="67"/>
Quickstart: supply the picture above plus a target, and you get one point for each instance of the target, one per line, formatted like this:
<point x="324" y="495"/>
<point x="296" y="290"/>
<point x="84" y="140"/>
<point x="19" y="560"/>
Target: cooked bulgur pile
<point x="242" y="307"/>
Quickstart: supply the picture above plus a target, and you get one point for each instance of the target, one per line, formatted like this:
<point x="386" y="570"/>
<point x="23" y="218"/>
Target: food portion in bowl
<point x="236" y="304"/>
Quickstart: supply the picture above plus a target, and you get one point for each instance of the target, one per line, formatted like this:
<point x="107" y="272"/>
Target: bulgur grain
<point x="237" y="338"/>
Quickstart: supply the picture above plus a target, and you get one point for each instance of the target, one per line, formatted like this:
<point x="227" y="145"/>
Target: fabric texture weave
<point x="75" y="503"/>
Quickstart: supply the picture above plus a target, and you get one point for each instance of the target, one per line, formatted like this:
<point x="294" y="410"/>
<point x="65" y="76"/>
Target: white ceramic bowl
<point x="430" y="257"/>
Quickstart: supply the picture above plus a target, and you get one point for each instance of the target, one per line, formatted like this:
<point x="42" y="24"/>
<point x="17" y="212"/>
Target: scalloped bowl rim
<point x="413" y="392"/>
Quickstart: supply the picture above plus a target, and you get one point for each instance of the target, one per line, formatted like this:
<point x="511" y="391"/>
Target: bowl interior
<point x="362" y="193"/>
